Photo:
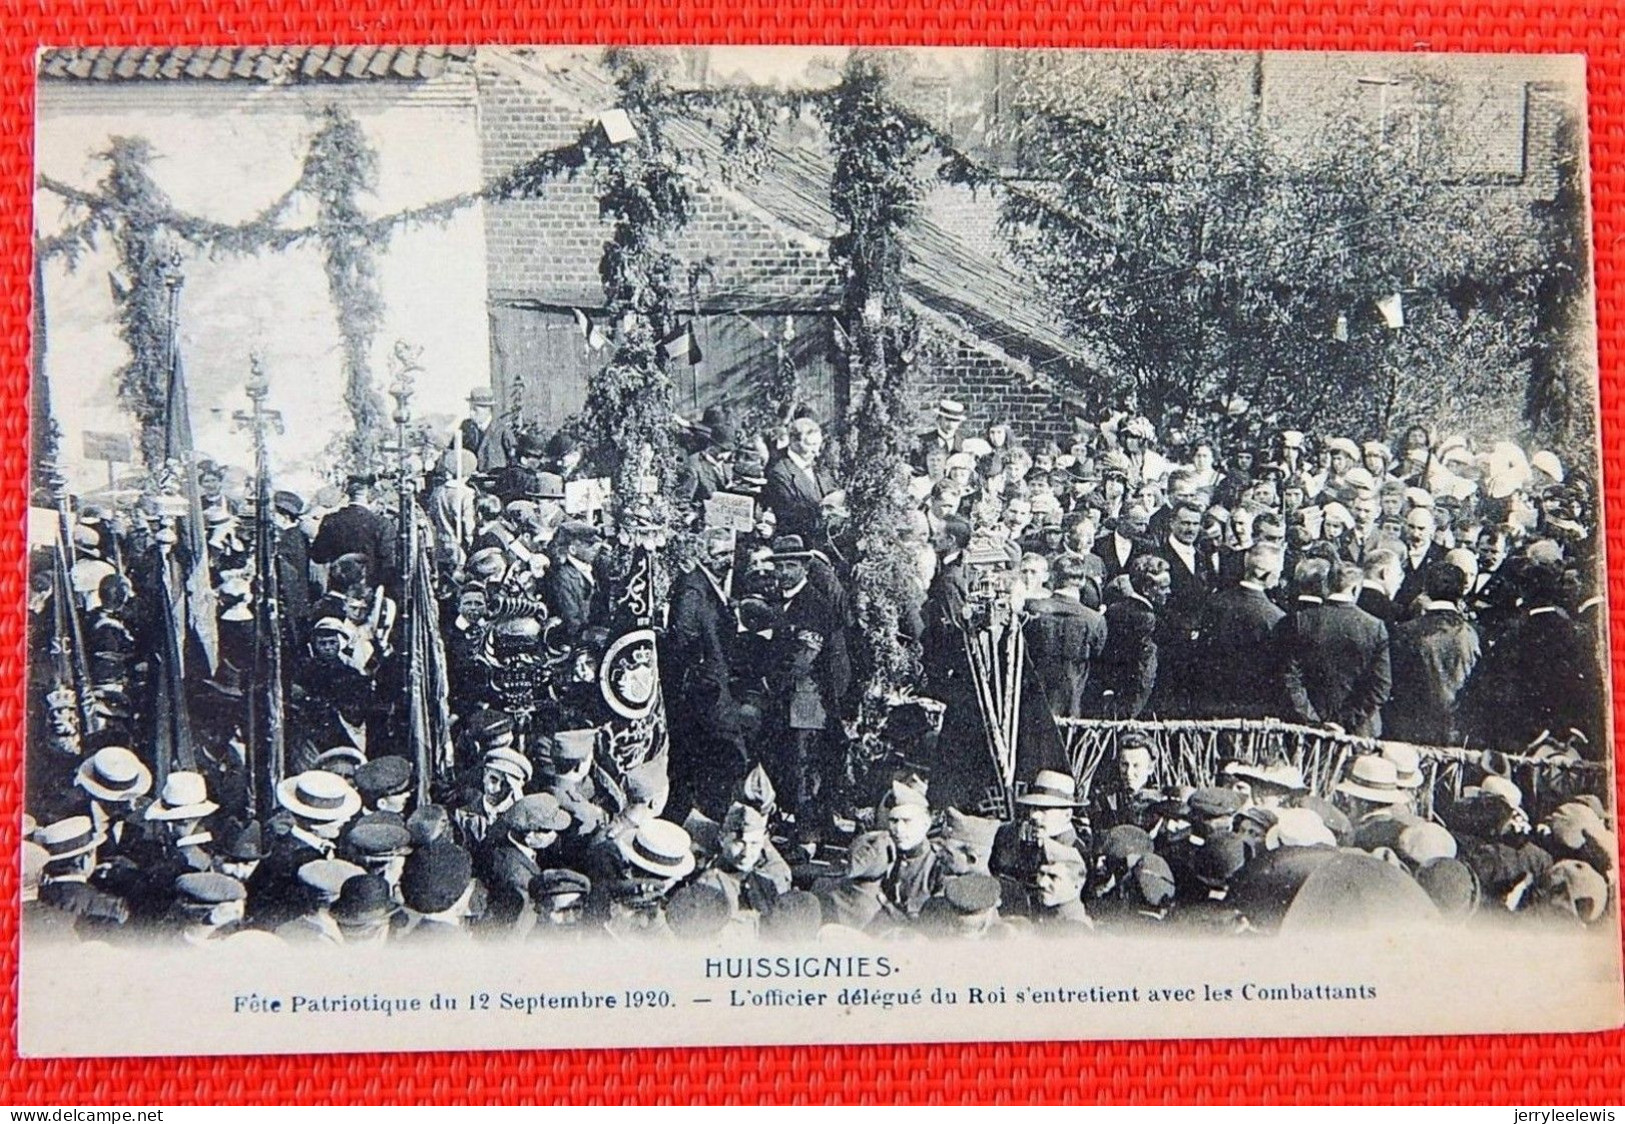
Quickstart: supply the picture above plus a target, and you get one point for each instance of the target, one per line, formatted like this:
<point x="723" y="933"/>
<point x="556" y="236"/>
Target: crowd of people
<point x="1425" y="593"/>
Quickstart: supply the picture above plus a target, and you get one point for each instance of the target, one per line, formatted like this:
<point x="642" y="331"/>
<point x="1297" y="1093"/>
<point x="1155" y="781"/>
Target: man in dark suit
<point x="1193" y="570"/>
<point x="707" y="735"/>
<point x="933" y="449"/>
<point x="1432" y="654"/>
<point x="1121" y="687"/>
<point x="1125" y="541"/>
<point x="479" y="432"/>
<point x="1382" y="579"/>
<point x="357" y="529"/>
<point x="1335" y="663"/>
<point x="1543" y="674"/>
<point x="708" y="471"/>
<point x="1235" y="656"/>
<point x="515" y="852"/>
<point x="1420" y="553"/>
<point x="1064" y="638"/>
<point x="1492" y="597"/>
<point x="796" y="485"/>
<point x="292" y="566"/>
<point x="572" y="588"/>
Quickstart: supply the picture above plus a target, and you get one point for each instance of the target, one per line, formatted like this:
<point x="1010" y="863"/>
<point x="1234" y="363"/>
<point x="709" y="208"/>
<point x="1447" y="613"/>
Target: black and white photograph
<point x="780" y="520"/>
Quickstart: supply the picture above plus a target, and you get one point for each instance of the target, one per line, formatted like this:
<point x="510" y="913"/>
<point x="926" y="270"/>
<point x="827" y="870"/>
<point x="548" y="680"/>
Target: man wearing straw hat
<point x="116" y="784"/>
<point x="933" y="448"/>
<point x="319" y="805"/>
<point x="71" y="846"/>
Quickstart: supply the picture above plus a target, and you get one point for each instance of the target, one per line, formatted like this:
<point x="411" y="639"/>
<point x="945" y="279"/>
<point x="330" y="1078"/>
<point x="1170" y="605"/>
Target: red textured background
<point x="1561" y="1069"/>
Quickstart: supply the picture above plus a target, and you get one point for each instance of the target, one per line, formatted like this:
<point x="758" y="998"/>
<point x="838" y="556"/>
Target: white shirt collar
<point x="1431" y="606"/>
<point x="1341" y="598"/>
<point x="1256" y="586"/>
<point x="584" y="567"/>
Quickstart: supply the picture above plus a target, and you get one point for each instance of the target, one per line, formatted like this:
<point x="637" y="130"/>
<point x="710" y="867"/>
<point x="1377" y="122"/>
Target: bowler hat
<point x="362" y="899"/>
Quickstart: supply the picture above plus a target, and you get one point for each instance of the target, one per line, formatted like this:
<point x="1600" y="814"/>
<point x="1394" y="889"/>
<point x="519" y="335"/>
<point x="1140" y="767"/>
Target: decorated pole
<point x="265" y="741"/>
<point x="409" y="622"/>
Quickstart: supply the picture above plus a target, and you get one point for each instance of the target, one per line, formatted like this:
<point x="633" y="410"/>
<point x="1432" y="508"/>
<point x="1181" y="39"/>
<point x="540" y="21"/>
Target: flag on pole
<point x="69" y="658"/>
<point x="194" y="544"/>
<point x="172" y="723"/>
<point x="427" y="681"/>
<point x="682" y="345"/>
<point x="592" y="333"/>
<point x="267" y="734"/>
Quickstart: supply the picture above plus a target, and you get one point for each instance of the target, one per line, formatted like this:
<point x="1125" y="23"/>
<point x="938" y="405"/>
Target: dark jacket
<point x="1543" y="674"/>
<point x="1412" y="586"/>
<point x="1235" y="655"/>
<point x="1127" y="671"/>
<point x="1335" y="667"/>
<point x="794" y="497"/>
<point x="356" y="529"/>
<point x="1064" y="638"/>
<point x="574" y="598"/>
<point x="1432" y="655"/>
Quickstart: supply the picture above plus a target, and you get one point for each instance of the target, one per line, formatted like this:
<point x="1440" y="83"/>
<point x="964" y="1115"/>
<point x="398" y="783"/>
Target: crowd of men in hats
<point x="1424" y="593"/>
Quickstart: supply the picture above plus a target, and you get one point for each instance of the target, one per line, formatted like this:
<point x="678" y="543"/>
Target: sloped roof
<point x="248" y="64"/>
<point x="943" y="271"/>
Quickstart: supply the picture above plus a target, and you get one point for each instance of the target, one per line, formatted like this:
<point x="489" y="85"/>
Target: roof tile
<point x="254" y="64"/>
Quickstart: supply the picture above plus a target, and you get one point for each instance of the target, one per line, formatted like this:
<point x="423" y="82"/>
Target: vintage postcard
<point x="572" y="547"/>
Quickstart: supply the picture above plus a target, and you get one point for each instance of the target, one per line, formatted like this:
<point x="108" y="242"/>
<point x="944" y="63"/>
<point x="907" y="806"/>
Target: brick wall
<point x="548" y="249"/>
<point x="990" y="390"/>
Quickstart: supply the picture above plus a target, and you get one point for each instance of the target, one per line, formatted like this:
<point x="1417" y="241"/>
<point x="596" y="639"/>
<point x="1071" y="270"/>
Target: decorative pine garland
<point x="875" y="192"/>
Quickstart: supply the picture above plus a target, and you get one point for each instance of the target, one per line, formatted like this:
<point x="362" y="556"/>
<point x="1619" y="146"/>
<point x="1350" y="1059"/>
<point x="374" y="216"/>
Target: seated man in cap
<point x="919" y="869"/>
<point x="968" y="909"/>
<point x="855" y="899"/>
<point x="1048" y="805"/>
<point x="1058" y="886"/>
<point x="503" y="776"/>
<point x="739" y="868"/>
<point x="518" y="847"/>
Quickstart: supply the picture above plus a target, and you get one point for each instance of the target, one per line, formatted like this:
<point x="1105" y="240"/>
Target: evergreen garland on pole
<point x="627" y="421"/>
<point x="339" y="167"/>
<point x="875" y="192"/>
<point x="141" y="296"/>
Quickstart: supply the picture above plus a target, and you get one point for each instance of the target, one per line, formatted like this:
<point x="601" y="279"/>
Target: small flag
<point x="617" y="126"/>
<point x="592" y="333"/>
<point x="681" y="344"/>
<point x="1393" y="310"/>
<point x="1340" y="330"/>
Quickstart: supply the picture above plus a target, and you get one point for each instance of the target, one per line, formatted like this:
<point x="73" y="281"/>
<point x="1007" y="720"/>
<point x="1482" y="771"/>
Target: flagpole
<point x="266" y="748"/>
<point x="408" y="622"/>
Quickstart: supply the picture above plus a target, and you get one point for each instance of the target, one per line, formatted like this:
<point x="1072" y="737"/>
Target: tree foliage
<point x="1212" y="251"/>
